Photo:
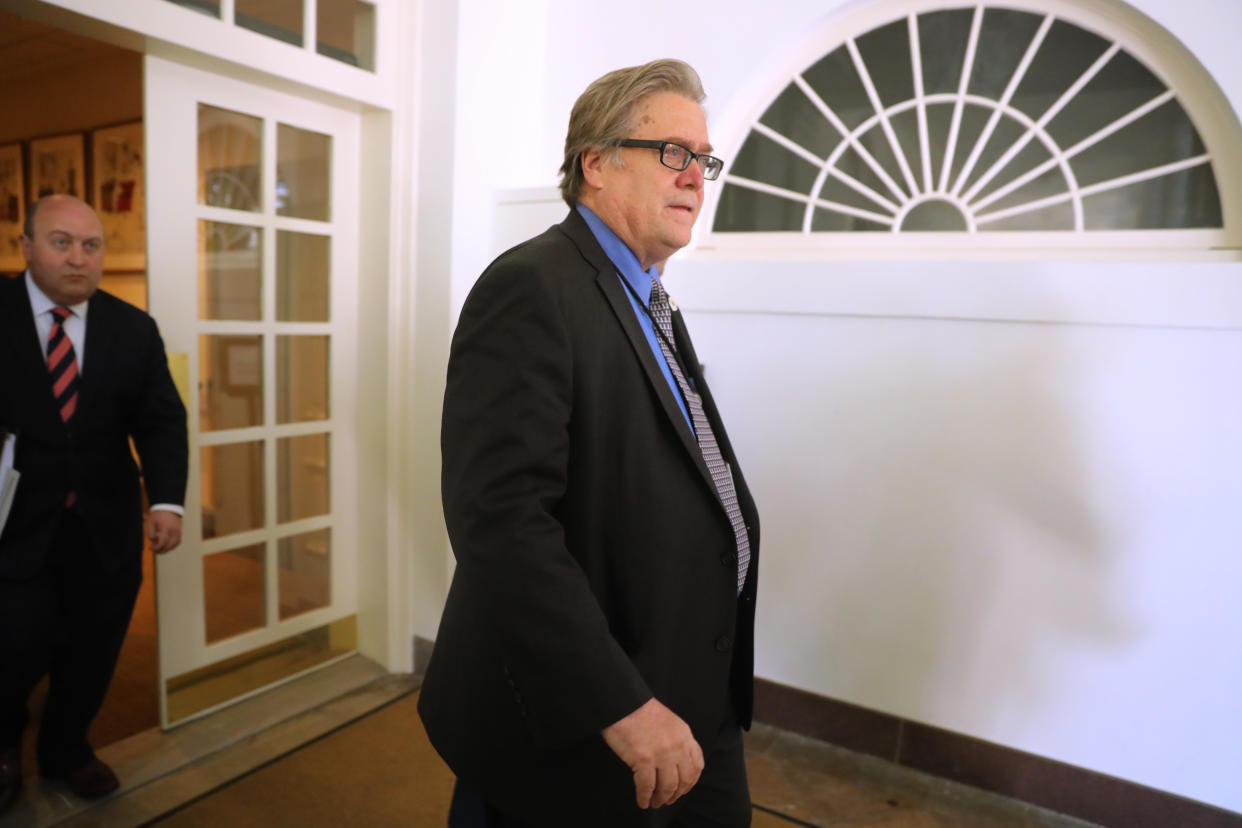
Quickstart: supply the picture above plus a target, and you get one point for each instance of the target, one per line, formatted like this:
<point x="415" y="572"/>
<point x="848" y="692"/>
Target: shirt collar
<point x="41" y="304"/>
<point x="620" y="255"/>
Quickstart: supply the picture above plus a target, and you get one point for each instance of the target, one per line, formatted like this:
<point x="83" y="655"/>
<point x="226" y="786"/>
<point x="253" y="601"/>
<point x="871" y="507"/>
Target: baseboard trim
<point x="1057" y="786"/>
<point x="1066" y="789"/>
<point x="422" y="654"/>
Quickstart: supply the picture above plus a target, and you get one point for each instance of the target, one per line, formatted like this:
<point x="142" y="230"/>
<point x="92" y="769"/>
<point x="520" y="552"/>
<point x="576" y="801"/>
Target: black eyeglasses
<point x="676" y="157"/>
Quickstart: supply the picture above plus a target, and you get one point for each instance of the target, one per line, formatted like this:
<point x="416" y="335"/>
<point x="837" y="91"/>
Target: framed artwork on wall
<point x="57" y="165"/>
<point x="12" y="208"/>
<point x="117" y="194"/>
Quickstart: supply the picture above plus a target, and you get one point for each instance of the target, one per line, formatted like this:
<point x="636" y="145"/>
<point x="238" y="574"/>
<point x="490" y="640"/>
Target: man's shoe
<point x="10" y="777"/>
<point x="91" y="781"/>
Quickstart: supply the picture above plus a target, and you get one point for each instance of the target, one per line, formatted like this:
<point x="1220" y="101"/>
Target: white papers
<point x="8" y="477"/>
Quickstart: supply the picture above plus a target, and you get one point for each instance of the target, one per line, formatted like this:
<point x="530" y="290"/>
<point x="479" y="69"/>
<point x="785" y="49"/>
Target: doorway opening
<point x="90" y="144"/>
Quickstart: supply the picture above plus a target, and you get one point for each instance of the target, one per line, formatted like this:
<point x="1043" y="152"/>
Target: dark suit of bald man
<point x="69" y="574"/>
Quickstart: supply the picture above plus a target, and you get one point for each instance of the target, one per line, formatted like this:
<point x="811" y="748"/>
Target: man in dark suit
<point x="81" y="372"/>
<point x="594" y="662"/>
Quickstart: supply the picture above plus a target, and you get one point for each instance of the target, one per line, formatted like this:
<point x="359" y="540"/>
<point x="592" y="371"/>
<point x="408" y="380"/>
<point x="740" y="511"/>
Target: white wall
<point x="999" y="498"/>
<point x="1023" y="531"/>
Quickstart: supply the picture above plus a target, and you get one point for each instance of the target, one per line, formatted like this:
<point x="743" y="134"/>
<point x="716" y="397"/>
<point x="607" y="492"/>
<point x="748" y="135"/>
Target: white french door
<point x="252" y="260"/>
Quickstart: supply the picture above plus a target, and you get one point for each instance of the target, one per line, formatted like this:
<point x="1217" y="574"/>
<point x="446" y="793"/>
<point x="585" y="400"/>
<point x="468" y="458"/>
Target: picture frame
<point x="12" y="208"/>
<point x="118" y="193"/>
<point x="58" y="165"/>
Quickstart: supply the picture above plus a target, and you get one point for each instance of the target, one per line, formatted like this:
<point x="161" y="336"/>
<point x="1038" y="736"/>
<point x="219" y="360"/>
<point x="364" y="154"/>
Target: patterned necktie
<point x="661" y="312"/>
<point x="62" y="365"/>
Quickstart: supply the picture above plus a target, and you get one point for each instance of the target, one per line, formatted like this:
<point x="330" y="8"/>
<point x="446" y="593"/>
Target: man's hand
<point x="164" y="530"/>
<point x="661" y="751"/>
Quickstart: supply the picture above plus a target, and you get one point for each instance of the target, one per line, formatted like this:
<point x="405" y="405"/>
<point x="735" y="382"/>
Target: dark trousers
<point x="67" y="622"/>
<point x="720" y="799"/>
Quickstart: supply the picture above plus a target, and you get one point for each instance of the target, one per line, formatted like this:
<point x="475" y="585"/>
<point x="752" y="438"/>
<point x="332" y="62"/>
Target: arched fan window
<point x="977" y="119"/>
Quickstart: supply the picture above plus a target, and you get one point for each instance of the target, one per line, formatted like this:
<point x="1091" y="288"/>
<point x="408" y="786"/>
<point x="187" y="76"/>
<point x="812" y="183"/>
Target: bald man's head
<point x="64" y="248"/>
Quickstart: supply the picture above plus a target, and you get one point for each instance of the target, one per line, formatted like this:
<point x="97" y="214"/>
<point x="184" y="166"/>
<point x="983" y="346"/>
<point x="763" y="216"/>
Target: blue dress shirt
<point x="631" y="272"/>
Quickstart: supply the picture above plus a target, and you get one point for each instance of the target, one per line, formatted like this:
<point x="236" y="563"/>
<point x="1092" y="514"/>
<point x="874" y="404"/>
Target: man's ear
<point x="593" y="161"/>
<point x="27" y="244"/>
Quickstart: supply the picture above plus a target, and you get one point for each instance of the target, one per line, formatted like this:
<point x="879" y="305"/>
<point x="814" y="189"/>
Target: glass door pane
<point x="230" y="150"/>
<point x="301" y="378"/>
<point x="302" y="262"/>
<point x="232" y="488"/>
<point x="303" y="173"/>
<point x="230" y="261"/>
<point x="302" y="477"/>
<point x="230" y="385"/>
<point x="207" y="7"/>
<point x="235" y="588"/>
<point x="305" y="572"/>
<point x="346" y="31"/>
<point x="281" y="19"/>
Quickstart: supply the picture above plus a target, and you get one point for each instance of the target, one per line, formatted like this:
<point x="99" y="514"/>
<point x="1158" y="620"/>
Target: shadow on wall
<point x="931" y="532"/>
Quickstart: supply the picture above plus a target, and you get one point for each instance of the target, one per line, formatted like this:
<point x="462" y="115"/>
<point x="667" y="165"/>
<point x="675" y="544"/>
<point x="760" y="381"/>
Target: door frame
<point x="173" y="94"/>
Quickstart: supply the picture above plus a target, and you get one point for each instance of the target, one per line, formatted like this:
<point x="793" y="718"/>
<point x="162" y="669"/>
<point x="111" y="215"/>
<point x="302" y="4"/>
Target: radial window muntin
<point x="915" y="189"/>
<point x="907" y="201"/>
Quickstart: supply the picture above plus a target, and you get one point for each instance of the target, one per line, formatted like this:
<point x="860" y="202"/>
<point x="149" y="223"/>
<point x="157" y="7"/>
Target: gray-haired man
<point x="594" y="662"/>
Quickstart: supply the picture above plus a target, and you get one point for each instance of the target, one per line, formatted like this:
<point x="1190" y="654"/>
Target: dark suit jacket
<point x="596" y="566"/>
<point x="125" y="391"/>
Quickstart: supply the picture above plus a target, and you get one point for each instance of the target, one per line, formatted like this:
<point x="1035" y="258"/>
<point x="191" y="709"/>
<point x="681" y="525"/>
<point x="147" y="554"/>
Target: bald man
<point x="81" y="373"/>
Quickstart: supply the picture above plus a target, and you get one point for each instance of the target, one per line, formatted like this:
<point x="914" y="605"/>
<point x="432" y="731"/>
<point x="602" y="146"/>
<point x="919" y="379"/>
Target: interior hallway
<point x="382" y="771"/>
<point x="359" y="756"/>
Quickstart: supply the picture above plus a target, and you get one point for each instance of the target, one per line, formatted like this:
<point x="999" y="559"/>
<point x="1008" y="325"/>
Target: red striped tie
<point x="62" y="365"/>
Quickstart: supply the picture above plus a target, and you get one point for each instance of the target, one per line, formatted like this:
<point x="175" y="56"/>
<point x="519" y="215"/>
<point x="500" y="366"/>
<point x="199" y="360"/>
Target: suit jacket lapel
<point x="23" y="343"/>
<point x="681" y="336"/>
<point x="614" y="292"/>
<point x="100" y="338"/>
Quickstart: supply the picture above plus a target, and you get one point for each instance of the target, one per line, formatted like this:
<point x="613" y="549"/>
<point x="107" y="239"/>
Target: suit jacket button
<point x="723" y="644"/>
<point x="727" y="559"/>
